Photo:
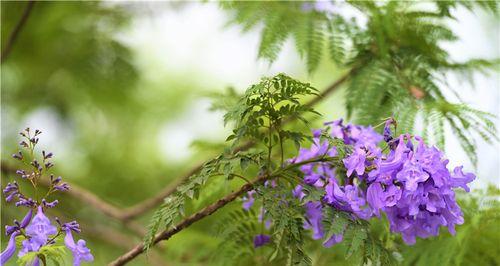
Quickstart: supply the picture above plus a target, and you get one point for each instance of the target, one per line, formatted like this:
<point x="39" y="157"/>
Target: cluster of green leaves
<point x="476" y="241"/>
<point x="53" y="253"/>
<point x="287" y="215"/>
<point x="258" y="118"/>
<point x="397" y="66"/>
<point x="236" y="231"/>
<point x="260" y="113"/>
<point x="227" y="165"/>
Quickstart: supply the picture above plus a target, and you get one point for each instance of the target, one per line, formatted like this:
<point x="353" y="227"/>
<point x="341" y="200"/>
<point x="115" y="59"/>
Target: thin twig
<point x="15" y="32"/>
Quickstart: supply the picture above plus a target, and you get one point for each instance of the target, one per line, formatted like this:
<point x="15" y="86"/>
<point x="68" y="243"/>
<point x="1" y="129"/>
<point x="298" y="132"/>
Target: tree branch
<point x="137" y="250"/>
<point x="166" y="234"/>
<point x="15" y="32"/>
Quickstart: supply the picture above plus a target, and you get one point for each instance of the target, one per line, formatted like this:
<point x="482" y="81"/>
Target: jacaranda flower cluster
<point x="410" y="183"/>
<point x="36" y="231"/>
<point x="407" y="180"/>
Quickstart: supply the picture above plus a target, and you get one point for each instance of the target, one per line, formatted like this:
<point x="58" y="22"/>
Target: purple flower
<point x="411" y="175"/>
<point x="49" y="204"/>
<point x="79" y="250"/>
<point x="314" y="215"/>
<point x="298" y="193"/>
<point x="38" y="231"/>
<point x="40" y="226"/>
<point x="260" y="240"/>
<point x="11" y="191"/>
<point x="334" y="239"/>
<point x="411" y="184"/>
<point x="337" y="129"/>
<point x="248" y="200"/>
<point x="73" y="226"/>
<point x="459" y="179"/>
<point x="367" y="137"/>
<point x="27" y="202"/>
<point x="395" y="159"/>
<point x="34" y="243"/>
<point x="375" y="197"/>
<point x="10" y="249"/>
<point x="355" y="162"/>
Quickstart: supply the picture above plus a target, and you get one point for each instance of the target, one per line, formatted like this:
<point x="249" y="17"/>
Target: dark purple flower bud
<point x="47" y="155"/>
<point x="38" y="132"/>
<point x="26" y="220"/>
<point x="34" y="140"/>
<point x="23" y="144"/>
<point x="260" y="240"/>
<point x="9" y="229"/>
<point x="48" y="165"/>
<point x="11" y="187"/>
<point x="30" y="203"/>
<point x="49" y="204"/>
<point x="18" y="156"/>
<point x="10" y="197"/>
<point x="62" y="187"/>
<point x="11" y="191"/>
<point x="74" y="226"/>
<point x="21" y="172"/>
<point x="55" y="181"/>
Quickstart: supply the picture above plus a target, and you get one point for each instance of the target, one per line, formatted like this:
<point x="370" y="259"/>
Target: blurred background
<point x="121" y="93"/>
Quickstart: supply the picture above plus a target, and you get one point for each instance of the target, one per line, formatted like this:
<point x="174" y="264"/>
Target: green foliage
<point x="357" y="238"/>
<point x="287" y="216"/>
<point x="396" y="60"/>
<point x="172" y="209"/>
<point x="260" y="113"/>
<point x="236" y="232"/>
<point x="52" y="253"/>
<point x="287" y="19"/>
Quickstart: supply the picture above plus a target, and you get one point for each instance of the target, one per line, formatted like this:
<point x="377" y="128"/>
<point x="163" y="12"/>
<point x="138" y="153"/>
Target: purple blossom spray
<point x="37" y="235"/>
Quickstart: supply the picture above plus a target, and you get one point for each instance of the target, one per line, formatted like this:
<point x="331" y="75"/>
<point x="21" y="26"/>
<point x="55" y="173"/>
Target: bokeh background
<point x="121" y="92"/>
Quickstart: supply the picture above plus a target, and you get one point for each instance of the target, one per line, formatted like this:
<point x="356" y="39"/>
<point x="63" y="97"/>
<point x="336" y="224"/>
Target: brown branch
<point x="148" y="204"/>
<point x="166" y="234"/>
<point x="333" y="87"/>
<point x="111" y="236"/>
<point x="137" y="250"/>
<point x="15" y="32"/>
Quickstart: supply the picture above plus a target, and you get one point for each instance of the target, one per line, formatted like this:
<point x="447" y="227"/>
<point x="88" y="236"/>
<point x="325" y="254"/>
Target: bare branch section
<point x="15" y="32"/>
<point x="137" y="250"/>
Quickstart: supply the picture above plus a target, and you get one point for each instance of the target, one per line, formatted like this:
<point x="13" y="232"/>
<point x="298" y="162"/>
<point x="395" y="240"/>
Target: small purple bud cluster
<point x="38" y="231"/>
<point x="410" y="183"/>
